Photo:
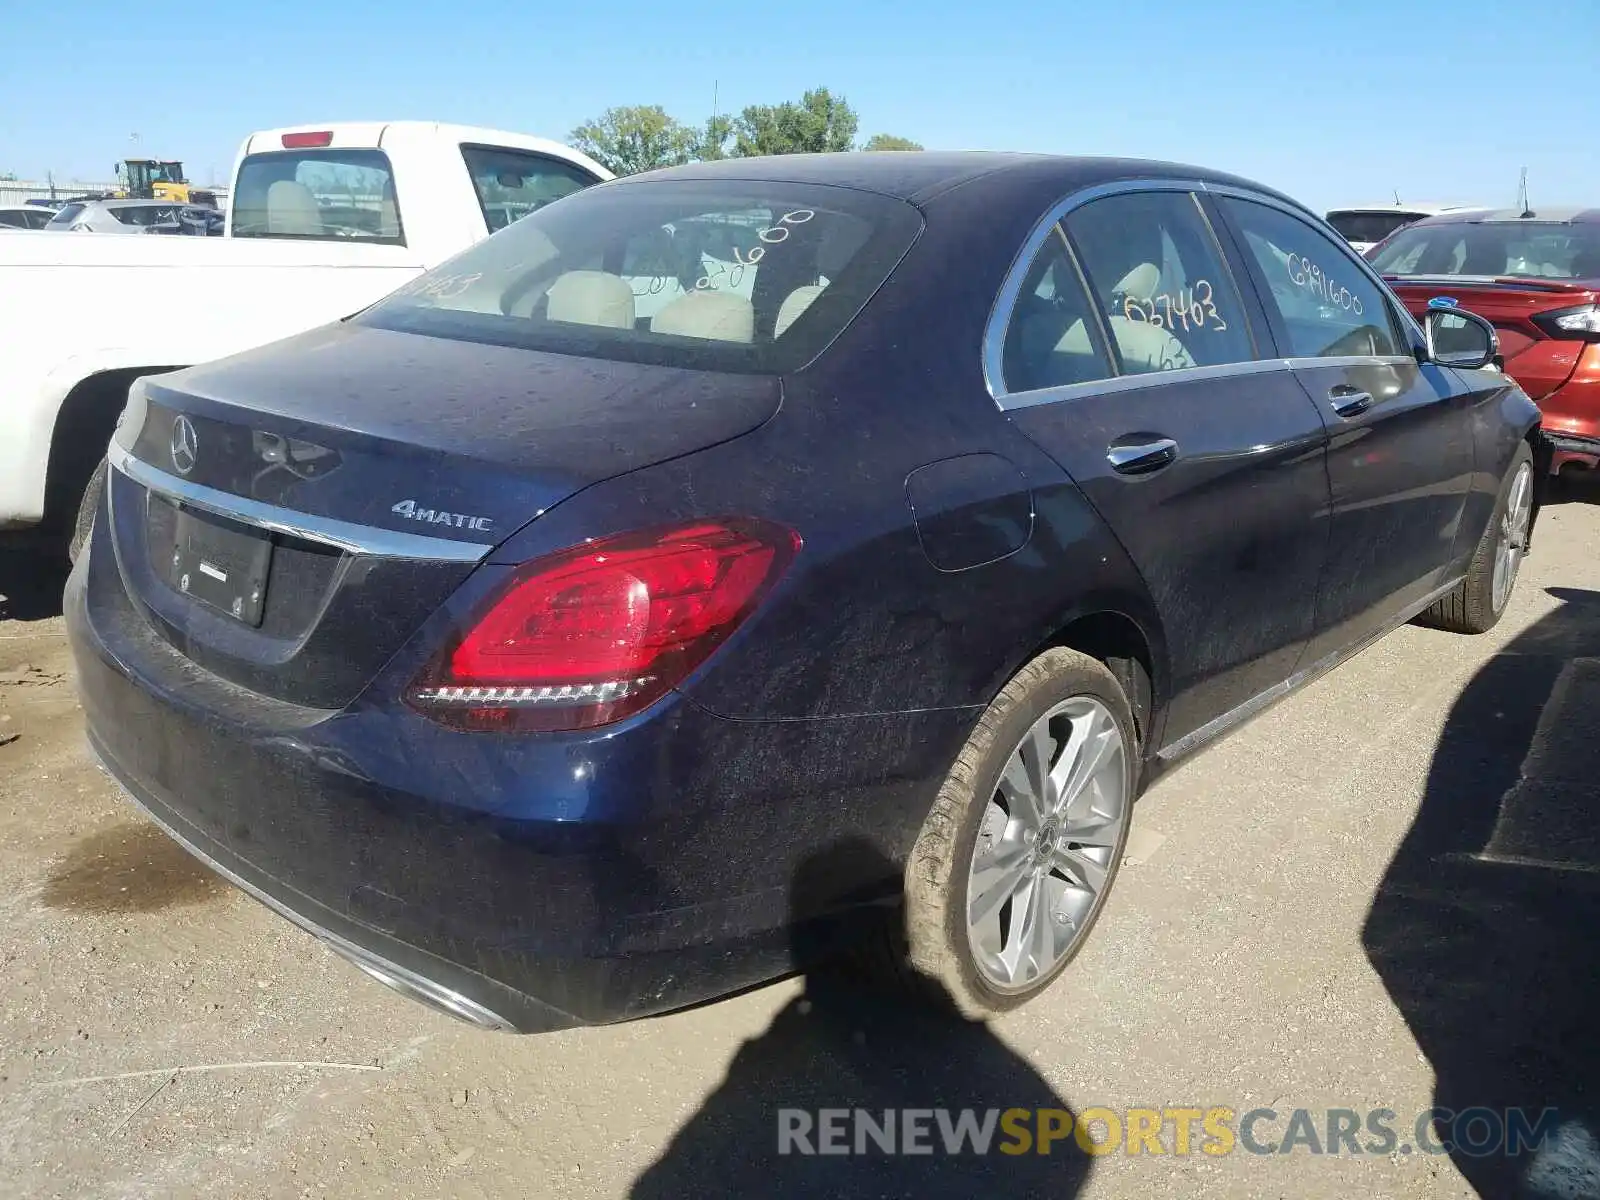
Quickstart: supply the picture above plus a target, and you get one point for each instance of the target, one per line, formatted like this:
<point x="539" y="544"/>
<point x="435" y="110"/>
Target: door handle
<point x="1148" y="453"/>
<point x="1348" y="401"/>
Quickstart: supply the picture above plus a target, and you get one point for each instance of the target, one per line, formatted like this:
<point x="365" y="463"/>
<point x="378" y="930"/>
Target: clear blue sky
<point x="1336" y="101"/>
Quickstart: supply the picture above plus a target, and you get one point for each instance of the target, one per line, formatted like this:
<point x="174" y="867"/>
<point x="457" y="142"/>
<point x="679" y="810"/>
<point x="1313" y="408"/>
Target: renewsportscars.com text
<point x="1177" y="1130"/>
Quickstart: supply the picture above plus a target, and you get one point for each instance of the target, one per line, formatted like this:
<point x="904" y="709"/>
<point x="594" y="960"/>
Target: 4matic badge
<point x="436" y="516"/>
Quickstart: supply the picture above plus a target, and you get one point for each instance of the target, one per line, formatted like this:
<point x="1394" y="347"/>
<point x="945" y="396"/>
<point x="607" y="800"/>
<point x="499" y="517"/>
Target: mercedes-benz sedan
<point x="737" y="561"/>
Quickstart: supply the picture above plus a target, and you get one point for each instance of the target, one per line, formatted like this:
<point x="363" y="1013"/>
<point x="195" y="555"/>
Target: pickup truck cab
<point x="323" y="220"/>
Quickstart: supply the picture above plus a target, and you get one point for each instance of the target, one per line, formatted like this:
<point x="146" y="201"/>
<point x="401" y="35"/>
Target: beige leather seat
<point x="714" y="316"/>
<point x="1144" y="347"/>
<point x="795" y="303"/>
<point x="591" y="298"/>
<point x="292" y="209"/>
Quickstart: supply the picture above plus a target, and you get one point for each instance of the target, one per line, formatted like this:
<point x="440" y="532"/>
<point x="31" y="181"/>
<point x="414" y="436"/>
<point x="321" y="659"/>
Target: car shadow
<point x="31" y="582"/>
<point x="1573" y="486"/>
<point x="845" y="1045"/>
<point x="1486" y="927"/>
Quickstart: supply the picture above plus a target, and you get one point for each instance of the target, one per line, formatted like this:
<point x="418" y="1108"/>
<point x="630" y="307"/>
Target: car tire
<point x="1477" y="603"/>
<point x="83" y="521"/>
<point x="959" y="963"/>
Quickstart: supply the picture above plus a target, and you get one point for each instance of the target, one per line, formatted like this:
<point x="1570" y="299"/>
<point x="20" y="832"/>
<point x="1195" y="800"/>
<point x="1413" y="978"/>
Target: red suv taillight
<point x="598" y="632"/>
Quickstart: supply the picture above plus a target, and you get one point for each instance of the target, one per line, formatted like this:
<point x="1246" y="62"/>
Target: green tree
<point x="713" y="140"/>
<point x="820" y="124"/>
<point x="888" y="141"/>
<point x="636" y="138"/>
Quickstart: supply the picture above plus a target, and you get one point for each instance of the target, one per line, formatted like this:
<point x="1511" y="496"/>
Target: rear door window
<point x="1160" y="281"/>
<point x="513" y="183"/>
<point x="1327" y="306"/>
<point x="318" y="195"/>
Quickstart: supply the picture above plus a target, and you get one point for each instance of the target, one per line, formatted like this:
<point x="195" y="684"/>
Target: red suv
<point x="1536" y="275"/>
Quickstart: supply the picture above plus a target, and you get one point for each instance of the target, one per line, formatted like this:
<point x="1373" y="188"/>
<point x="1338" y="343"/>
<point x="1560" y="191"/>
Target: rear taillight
<point x="598" y="632"/>
<point x="1581" y="323"/>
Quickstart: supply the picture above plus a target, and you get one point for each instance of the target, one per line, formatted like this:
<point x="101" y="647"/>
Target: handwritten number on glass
<point x="773" y="235"/>
<point x="1191" y="309"/>
<point x="1305" y="273"/>
<point x="441" y="287"/>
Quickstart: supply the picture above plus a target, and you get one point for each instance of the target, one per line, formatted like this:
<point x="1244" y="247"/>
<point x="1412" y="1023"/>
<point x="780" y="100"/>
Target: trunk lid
<point x="379" y="467"/>
<point x="1538" y="362"/>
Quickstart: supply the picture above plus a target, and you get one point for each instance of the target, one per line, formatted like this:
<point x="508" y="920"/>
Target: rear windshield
<point x="318" y="195"/>
<point x="1369" y="226"/>
<point x="730" y="275"/>
<point x="1538" y="250"/>
<point x="67" y="214"/>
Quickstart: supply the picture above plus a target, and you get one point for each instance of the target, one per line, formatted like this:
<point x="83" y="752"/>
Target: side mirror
<point x="1457" y="338"/>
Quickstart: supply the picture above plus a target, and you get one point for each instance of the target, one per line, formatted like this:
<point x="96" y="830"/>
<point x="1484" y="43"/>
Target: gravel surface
<point x="1378" y="894"/>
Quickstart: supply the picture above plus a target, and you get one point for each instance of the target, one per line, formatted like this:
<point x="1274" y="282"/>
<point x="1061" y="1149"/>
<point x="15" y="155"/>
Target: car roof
<point x="919" y="176"/>
<point x="1393" y="209"/>
<point x="1538" y="215"/>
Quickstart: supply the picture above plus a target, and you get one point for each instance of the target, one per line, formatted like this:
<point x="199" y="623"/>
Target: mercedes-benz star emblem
<point x="185" y="445"/>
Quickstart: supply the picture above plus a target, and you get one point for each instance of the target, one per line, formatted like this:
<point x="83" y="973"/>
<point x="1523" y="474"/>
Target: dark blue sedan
<point x="775" y="558"/>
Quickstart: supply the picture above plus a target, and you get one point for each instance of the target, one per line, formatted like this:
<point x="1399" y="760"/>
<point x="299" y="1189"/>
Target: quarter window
<point x="1159" y="279"/>
<point x="1052" y="339"/>
<point x="1327" y="306"/>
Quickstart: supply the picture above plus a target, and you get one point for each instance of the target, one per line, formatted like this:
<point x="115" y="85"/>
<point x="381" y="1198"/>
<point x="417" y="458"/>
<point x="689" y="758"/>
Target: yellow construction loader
<point x="152" y="179"/>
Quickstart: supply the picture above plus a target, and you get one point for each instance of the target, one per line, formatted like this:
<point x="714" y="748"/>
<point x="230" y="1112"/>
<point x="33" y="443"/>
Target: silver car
<point x="121" y="216"/>
<point x="23" y="216"/>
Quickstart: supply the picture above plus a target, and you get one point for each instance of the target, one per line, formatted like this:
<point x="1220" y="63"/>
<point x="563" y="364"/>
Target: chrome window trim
<point x="347" y="536"/>
<point x="994" y="333"/>
<point x="1010" y="401"/>
<point x="1302" y="363"/>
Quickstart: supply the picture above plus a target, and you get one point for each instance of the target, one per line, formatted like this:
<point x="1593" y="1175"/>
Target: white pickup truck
<point x="323" y="220"/>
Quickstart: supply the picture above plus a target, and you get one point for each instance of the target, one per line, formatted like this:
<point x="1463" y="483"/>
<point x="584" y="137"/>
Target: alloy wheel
<point x="1513" y="540"/>
<point x="1049" y="840"/>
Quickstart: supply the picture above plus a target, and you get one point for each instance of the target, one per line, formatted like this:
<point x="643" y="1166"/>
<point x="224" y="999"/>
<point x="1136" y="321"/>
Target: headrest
<point x="1140" y="283"/>
<point x="591" y="298"/>
<point x="715" y="316"/>
<point x="795" y="303"/>
<point x="292" y="209"/>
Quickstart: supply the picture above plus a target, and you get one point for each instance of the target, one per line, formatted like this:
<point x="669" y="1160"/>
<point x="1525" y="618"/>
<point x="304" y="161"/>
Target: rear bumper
<point x="1571" y="450"/>
<point x="1572" y="415"/>
<point x="425" y="977"/>
<point x="528" y="882"/>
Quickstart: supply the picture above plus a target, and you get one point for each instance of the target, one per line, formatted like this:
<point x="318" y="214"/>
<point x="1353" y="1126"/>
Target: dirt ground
<point x="1379" y="894"/>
